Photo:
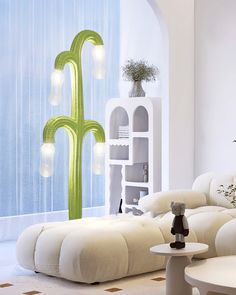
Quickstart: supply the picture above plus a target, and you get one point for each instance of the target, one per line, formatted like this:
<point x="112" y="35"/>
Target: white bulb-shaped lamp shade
<point x="98" y="54"/>
<point x="47" y="153"/>
<point x="98" y="158"/>
<point x="57" y="79"/>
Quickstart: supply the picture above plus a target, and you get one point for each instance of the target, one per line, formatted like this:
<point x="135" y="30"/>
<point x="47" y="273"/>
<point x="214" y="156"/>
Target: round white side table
<point x="213" y="276"/>
<point x="179" y="259"/>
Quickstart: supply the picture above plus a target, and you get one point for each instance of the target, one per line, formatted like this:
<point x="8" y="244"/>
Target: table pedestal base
<point x="175" y="282"/>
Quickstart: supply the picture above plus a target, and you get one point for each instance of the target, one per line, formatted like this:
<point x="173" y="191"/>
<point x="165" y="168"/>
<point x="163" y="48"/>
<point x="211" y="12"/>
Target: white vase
<point x="137" y="89"/>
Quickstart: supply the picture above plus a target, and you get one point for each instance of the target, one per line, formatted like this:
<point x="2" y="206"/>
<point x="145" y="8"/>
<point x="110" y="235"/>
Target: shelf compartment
<point x="140" y="119"/>
<point x="119" y="117"/>
<point x="135" y="173"/>
<point x="132" y="194"/>
<point x="140" y="150"/>
<point x="115" y="187"/>
<point x="119" y="152"/>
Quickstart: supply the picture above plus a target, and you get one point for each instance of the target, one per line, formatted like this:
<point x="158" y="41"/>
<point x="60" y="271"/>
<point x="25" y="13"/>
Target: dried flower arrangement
<point x="139" y="71"/>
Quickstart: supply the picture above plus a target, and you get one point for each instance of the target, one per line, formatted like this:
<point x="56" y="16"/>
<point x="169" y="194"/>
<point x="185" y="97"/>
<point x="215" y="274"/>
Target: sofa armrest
<point x="159" y="203"/>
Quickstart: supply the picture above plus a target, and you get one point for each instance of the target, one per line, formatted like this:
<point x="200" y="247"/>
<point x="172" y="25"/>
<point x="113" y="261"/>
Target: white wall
<point x="177" y="22"/>
<point x="167" y="41"/>
<point x="140" y="38"/>
<point x="215" y="85"/>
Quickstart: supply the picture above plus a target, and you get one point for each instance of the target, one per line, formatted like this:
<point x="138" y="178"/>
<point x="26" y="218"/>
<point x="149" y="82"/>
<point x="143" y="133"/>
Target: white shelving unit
<point x="128" y="151"/>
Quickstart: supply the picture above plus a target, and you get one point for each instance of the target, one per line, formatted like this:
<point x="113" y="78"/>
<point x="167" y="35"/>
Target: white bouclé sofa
<point x="107" y="248"/>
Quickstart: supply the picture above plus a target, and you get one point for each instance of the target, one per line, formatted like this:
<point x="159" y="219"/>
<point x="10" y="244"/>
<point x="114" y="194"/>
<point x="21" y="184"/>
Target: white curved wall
<point x="215" y="78"/>
<point x="177" y="21"/>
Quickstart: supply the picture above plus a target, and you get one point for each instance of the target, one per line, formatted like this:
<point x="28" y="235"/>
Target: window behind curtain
<point x="32" y="34"/>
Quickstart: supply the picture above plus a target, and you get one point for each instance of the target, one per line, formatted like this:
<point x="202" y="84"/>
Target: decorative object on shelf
<point x="135" y="200"/>
<point x="120" y="206"/>
<point x="138" y="71"/>
<point x="136" y="211"/>
<point x="123" y="131"/>
<point x="179" y="226"/>
<point x="75" y="125"/>
<point x="228" y="192"/>
<point x="145" y="172"/>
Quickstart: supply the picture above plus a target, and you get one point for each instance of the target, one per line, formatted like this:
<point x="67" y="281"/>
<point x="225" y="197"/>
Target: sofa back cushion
<point x="209" y="183"/>
<point x="159" y="203"/>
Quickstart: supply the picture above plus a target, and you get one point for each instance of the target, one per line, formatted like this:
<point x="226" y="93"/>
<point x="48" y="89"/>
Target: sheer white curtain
<point x="32" y="34"/>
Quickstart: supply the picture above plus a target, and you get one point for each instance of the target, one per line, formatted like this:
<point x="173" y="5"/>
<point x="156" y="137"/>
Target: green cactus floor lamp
<point x="76" y="125"/>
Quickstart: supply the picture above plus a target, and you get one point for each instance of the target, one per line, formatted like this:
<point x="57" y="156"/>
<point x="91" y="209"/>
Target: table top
<point x="190" y="249"/>
<point x="217" y="272"/>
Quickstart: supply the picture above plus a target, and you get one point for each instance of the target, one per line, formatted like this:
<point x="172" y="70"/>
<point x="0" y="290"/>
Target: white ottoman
<point x="91" y="249"/>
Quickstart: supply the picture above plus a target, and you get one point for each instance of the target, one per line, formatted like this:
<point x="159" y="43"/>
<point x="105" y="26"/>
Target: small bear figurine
<point x="179" y="226"/>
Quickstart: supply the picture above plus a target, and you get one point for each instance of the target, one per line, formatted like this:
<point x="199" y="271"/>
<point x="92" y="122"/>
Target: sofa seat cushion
<point x="226" y="239"/>
<point x="92" y="249"/>
<point x="206" y="225"/>
<point x="231" y="212"/>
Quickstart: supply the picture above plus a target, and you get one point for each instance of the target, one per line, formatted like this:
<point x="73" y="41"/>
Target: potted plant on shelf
<point x="138" y="71"/>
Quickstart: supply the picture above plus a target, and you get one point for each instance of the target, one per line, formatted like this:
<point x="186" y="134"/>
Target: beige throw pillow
<point x="159" y="203"/>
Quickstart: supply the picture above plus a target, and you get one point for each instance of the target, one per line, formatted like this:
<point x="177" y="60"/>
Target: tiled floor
<point x="22" y="281"/>
<point x="8" y="263"/>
